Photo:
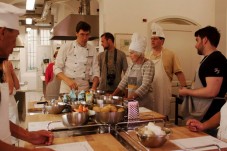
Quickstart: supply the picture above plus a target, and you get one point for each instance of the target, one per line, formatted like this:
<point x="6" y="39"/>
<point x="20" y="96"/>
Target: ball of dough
<point x="121" y="109"/>
<point x="96" y="108"/>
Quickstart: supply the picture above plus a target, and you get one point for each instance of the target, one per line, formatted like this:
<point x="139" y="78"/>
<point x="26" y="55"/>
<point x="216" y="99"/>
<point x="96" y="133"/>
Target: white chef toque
<point x="9" y="16"/>
<point x="138" y="43"/>
<point x="157" y="31"/>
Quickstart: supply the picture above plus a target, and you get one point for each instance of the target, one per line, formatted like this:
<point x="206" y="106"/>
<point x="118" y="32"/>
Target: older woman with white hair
<point x="139" y="75"/>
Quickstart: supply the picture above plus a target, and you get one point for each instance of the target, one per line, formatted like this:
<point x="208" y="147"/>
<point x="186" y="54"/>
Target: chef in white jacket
<point x="76" y="63"/>
<point x="9" y="25"/>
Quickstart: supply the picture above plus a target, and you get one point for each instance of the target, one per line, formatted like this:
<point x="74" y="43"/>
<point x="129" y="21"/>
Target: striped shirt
<point x="147" y="71"/>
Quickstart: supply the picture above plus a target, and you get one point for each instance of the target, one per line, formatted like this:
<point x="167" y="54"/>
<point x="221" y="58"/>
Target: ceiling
<point x="36" y="14"/>
<point x="21" y="3"/>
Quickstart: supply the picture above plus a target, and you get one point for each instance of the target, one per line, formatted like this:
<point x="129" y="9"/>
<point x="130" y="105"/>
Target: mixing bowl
<point x="153" y="140"/>
<point x="54" y="108"/>
<point x="109" y="117"/>
<point x="75" y="119"/>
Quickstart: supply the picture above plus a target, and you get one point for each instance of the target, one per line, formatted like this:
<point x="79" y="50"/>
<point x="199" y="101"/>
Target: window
<point x="35" y="39"/>
<point x="31" y="51"/>
<point x="44" y="36"/>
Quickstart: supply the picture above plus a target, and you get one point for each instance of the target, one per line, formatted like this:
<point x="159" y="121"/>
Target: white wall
<point x="125" y="16"/>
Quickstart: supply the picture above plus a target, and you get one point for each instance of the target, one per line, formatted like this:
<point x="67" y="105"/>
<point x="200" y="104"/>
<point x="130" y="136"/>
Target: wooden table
<point x="99" y="142"/>
<point x="107" y="141"/>
<point x="147" y="115"/>
<point x="178" y="133"/>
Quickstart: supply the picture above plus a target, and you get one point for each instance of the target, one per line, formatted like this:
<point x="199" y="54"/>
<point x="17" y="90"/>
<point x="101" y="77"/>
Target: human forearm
<point x="181" y="79"/>
<point x="19" y="132"/>
<point x="8" y="147"/>
<point x="95" y="83"/>
<point x="213" y="122"/>
<point x="16" y="81"/>
<point x="116" y="92"/>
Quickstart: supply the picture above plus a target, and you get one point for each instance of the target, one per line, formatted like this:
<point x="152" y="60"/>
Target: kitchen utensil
<point x="54" y="108"/>
<point x="110" y="117"/>
<point x="75" y="119"/>
<point x="152" y="140"/>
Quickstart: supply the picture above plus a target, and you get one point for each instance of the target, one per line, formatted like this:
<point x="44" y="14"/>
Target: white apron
<point x="193" y="107"/>
<point x="222" y="132"/>
<point x="13" y="113"/>
<point x="134" y="81"/>
<point x="162" y="88"/>
<point x="5" y="134"/>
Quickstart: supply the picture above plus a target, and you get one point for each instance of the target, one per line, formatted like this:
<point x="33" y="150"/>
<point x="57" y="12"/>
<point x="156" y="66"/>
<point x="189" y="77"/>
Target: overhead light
<point x="28" y="21"/>
<point x="28" y="29"/>
<point x="30" y="4"/>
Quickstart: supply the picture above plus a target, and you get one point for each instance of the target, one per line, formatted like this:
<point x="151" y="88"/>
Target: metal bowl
<point x="75" y="119"/>
<point x="152" y="141"/>
<point x="97" y="94"/>
<point x="109" y="117"/>
<point x="108" y="99"/>
<point x="55" y="108"/>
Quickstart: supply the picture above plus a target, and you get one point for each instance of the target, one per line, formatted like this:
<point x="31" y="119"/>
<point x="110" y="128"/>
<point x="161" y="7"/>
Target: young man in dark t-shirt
<point x="212" y="72"/>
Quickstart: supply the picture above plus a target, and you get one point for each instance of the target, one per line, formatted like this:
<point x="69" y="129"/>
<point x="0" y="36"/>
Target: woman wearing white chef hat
<point x="139" y="75"/>
<point x="9" y="25"/>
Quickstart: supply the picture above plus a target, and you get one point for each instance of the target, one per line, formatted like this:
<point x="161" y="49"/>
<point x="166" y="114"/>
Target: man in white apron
<point x="139" y="75"/>
<point x="211" y="80"/>
<point x="166" y="64"/>
<point x="76" y="63"/>
<point x="9" y="25"/>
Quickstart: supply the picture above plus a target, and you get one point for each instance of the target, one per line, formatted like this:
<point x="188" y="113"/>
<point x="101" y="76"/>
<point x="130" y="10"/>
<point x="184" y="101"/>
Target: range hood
<point x="66" y="29"/>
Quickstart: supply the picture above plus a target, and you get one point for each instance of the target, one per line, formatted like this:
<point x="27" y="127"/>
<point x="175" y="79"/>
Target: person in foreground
<point x="9" y="25"/>
<point x="218" y="119"/>
<point x="139" y="75"/>
<point x="210" y="84"/>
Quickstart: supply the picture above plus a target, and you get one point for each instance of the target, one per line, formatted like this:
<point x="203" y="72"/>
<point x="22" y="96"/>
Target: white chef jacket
<point x="77" y="62"/>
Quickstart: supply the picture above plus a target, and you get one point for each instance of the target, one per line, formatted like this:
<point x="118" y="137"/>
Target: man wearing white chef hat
<point x="166" y="65"/>
<point x="139" y="75"/>
<point x="9" y="25"/>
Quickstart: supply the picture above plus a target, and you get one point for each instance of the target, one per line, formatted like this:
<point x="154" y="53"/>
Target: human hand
<point x="183" y="91"/>
<point x="41" y="137"/>
<point x="72" y="84"/>
<point x="194" y="125"/>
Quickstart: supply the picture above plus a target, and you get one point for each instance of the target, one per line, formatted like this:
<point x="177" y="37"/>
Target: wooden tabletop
<point x="177" y="132"/>
<point x="111" y="143"/>
<point x="99" y="142"/>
